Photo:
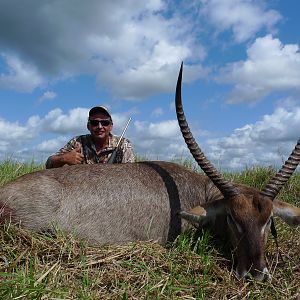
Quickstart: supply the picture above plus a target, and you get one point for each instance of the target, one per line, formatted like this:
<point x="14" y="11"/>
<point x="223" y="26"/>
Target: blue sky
<point x="241" y="75"/>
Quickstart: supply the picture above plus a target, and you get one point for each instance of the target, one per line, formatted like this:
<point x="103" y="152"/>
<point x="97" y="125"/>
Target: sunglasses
<point x="104" y="123"/>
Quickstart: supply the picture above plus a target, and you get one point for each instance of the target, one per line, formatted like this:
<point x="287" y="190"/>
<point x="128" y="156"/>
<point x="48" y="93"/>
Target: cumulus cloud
<point x="244" y="18"/>
<point x="158" y="130"/>
<point x="51" y="145"/>
<point x="16" y="137"/>
<point x="270" y="66"/>
<point x="73" y="123"/>
<point x="155" y="140"/>
<point x="20" y="76"/>
<point x="48" y="95"/>
<point x="158" y="112"/>
<point x="13" y="132"/>
<point x="161" y="140"/>
<point x="265" y="143"/>
<point x="122" y="43"/>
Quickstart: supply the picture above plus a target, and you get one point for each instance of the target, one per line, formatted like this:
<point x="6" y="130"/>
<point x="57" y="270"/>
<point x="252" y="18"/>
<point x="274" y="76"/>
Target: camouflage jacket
<point x="125" y="153"/>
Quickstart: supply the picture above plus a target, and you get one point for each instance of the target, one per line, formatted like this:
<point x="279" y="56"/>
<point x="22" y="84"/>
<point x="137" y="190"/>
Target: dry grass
<point x="39" y="266"/>
<point x="36" y="266"/>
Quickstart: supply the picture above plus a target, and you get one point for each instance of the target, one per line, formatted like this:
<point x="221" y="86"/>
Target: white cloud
<point x="165" y="129"/>
<point x="267" y="142"/>
<point x="21" y="76"/>
<point x="15" y="133"/>
<point x="154" y="72"/>
<point x="270" y="66"/>
<point x="158" y="112"/>
<point x="15" y="137"/>
<point x="244" y="18"/>
<point x="155" y="140"/>
<point x="134" y="51"/>
<point x="48" y="95"/>
<point x="160" y="140"/>
<point x="51" y="145"/>
<point x="73" y="123"/>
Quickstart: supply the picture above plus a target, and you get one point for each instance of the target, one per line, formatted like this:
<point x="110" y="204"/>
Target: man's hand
<point x="73" y="157"/>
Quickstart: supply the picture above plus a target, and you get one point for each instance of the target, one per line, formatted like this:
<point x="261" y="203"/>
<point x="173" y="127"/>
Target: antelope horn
<point x="225" y="187"/>
<point x="274" y="186"/>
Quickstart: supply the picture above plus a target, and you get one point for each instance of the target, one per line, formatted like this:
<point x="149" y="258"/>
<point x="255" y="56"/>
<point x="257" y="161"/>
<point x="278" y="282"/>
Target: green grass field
<point x="39" y="266"/>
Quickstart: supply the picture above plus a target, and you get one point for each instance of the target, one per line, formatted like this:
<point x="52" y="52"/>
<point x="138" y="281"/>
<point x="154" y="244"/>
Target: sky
<point x="241" y="76"/>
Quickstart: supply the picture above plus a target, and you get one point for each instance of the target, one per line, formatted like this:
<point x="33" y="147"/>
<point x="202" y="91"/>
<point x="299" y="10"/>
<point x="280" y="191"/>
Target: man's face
<point x="100" y="126"/>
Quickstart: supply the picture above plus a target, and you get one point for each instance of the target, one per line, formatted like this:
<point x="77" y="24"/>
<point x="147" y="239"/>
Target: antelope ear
<point x="205" y="213"/>
<point x="287" y="212"/>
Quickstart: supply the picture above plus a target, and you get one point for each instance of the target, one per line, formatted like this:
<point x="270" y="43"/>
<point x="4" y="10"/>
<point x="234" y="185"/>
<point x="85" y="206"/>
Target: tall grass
<point x="11" y="169"/>
<point x="258" y="177"/>
<point x="40" y="266"/>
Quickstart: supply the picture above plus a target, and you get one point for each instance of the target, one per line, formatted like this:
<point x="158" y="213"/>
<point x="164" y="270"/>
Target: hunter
<point x="97" y="147"/>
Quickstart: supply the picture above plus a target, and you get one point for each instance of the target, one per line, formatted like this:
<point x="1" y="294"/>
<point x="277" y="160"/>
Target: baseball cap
<point x="99" y="109"/>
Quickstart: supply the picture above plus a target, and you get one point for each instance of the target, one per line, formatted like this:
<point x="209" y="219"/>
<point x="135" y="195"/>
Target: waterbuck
<point x="151" y="200"/>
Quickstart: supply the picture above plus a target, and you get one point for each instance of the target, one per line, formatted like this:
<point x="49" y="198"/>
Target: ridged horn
<point x="225" y="187"/>
<point x="274" y="186"/>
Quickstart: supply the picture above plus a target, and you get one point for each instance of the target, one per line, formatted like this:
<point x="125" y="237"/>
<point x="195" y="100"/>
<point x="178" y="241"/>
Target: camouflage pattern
<point x="85" y="145"/>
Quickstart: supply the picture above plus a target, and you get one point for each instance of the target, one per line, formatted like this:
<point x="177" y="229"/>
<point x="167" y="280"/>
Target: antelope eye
<point x="233" y="223"/>
<point x="230" y="219"/>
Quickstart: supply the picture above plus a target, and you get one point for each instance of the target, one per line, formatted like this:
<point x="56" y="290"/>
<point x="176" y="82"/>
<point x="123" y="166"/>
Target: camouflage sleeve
<point x="72" y="144"/>
<point x="128" y="152"/>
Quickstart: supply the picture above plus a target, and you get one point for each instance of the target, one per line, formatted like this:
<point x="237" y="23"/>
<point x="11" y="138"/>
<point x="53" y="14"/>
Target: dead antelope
<point x="147" y="200"/>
